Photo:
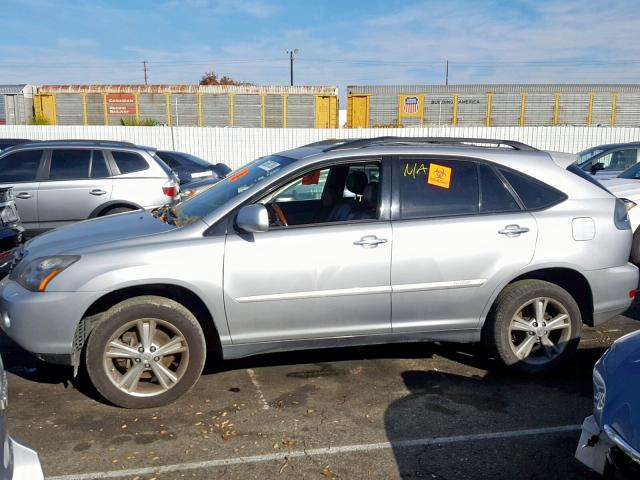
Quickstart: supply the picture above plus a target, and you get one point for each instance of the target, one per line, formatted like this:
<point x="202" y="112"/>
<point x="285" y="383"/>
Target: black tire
<point x="496" y="334"/>
<point x="158" y="309"/>
<point x="114" y="210"/>
<point x="635" y="248"/>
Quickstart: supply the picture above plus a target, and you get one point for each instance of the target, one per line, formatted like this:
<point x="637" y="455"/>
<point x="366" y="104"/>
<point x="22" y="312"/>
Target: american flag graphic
<point x="410" y="105"/>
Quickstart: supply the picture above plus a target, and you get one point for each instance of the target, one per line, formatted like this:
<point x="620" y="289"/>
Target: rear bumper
<point x="611" y="289"/>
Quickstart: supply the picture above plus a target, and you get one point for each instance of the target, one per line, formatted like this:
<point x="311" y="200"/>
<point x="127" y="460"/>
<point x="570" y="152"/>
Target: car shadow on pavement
<point x="463" y="406"/>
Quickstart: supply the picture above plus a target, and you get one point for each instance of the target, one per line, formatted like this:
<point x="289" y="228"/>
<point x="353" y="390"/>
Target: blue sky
<point x="340" y="42"/>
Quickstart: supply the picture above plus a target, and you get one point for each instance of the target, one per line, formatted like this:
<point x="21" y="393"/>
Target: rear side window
<point x="495" y="197"/>
<point x="20" y="166"/>
<point x="435" y="188"/>
<point x="535" y="195"/>
<point x="173" y="162"/>
<point x="129" y="162"/>
<point x="69" y="164"/>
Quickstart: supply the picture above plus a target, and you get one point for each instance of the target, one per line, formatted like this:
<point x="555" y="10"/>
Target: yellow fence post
<point x="136" y="96"/>
<point x="590" y="112"/>
<point x="523" y="102"/>
<point x="284" y="110"/>
<point x="263" y="112"/>
<point x="168" y="99"/>
<point x="84" y="109"/>
<point x="106" y="111"/>
<point x="200" y="110"/>
<point x="488" y="120"/>
<point x="455" y="109"/>
<point x="614" y="104"/>
<point x="231" y="108"/>
<point x="556" y="109"/>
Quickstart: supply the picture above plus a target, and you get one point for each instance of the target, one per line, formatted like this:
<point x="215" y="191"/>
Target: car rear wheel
<point x="635" y="247"/>
<point x="147" y="352"/>
<point x="533" y="326"/>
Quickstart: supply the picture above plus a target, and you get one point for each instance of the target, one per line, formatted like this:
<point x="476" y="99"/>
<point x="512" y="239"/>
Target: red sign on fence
<point x="121" y="104"/>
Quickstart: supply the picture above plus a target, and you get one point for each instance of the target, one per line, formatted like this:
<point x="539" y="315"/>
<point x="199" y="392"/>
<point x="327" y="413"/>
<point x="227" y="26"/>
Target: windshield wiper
<point x="166" y="213"/>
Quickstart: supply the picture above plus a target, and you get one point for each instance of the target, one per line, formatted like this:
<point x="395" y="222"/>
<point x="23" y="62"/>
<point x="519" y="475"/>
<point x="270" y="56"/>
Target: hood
<point x="622" y="187"/>
<point x="99" y="231"/>
<point x="620" y="370"/>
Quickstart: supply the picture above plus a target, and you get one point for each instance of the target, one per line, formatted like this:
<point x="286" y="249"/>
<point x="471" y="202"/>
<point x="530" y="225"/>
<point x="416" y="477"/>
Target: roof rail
<point x="85" y="141"/>
<point x="366" y="142"/>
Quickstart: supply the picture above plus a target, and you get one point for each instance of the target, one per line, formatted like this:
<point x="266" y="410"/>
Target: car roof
<point x="611" y="146"/>
<point x="78" y="144"/>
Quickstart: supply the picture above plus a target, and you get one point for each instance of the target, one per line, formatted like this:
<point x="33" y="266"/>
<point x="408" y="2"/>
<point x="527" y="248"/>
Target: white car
<point x="627" y="186"/>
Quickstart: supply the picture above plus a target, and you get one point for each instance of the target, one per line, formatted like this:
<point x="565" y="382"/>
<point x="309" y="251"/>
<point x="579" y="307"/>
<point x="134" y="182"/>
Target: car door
<point x="457" y="232"/>
<point x="317" y="280"/>
<point x="21" y="170"/>
<point x="77" y="182"/>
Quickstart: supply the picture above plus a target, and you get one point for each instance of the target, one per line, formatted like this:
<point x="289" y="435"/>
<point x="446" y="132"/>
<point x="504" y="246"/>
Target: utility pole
<point x="144" y="65"/>
<point x="291" y="53"/>
<point x="446" y="75"/>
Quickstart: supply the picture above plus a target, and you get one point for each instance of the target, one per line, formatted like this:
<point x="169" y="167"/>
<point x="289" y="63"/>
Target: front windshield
<point x="235" y="183"/>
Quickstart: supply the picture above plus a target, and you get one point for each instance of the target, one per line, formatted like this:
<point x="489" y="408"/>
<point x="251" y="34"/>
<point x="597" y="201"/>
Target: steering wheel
<point x="280" y="214"/>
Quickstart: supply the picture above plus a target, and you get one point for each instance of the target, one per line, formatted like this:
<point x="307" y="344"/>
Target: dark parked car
<point x="189" y="167"/>
<point x="608" y="161"/>
<point x="11" y="230"/>
<point x="610" y="441"/>
<point x="10" y="142"/>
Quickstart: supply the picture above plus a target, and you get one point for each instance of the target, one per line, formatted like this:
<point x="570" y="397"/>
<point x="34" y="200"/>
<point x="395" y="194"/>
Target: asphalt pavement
<point x="434" y="411"/>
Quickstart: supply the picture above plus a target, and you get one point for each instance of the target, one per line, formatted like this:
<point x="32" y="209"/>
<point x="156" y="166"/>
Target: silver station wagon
<point x="333" y="244"/>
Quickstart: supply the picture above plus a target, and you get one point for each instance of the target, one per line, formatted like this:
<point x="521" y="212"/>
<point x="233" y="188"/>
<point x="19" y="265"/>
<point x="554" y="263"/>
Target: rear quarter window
<point x="129" y="162"/>
<point x="534" y="194"/>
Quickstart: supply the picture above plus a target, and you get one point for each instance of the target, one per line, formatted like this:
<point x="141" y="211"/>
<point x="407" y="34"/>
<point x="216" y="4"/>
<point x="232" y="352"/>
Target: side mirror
<point x="253" y="218"/>
<point x="596" y="167"/>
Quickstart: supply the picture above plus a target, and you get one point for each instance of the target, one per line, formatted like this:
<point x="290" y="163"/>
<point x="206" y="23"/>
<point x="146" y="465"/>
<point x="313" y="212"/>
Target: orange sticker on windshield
<point x="439" y="175"/>
<point x="238" y="175"/>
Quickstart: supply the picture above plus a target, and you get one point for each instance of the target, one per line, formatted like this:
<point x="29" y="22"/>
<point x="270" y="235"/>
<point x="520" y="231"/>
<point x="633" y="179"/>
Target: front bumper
<point x="610" y="288"/>
<point x="595" y="445"/>
<point x="43" y="323"/>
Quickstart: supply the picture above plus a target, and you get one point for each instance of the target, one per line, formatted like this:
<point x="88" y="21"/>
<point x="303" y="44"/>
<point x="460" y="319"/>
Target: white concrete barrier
<point x="236" y="146"/>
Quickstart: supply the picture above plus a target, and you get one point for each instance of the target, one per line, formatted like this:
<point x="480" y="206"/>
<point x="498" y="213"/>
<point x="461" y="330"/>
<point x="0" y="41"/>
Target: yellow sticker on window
<point x="439" y="175"/>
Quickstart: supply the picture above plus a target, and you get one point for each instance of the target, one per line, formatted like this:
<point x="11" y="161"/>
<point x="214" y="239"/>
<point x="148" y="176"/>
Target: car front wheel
<point x="146" y="352"/>
<point x="533" y="326"/>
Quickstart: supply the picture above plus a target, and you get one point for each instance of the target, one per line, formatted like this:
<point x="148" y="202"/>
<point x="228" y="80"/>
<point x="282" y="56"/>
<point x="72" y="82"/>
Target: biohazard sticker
<point x="439" y="175"/>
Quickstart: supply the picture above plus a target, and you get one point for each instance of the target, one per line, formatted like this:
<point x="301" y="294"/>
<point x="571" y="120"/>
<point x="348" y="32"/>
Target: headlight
<point x="599" y="393"/>
<point x="37" y="274"/>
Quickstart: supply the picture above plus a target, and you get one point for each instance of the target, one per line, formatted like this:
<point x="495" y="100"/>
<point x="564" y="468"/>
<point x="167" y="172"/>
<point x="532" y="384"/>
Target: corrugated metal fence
<point x="236" y="146"/>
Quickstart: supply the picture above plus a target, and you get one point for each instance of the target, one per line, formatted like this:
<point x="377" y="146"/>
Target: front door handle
<point x="370" y="241"/>
<point x="23" y="195"/>
<point x="97" y="191"/>
<point x="513" y="230"/>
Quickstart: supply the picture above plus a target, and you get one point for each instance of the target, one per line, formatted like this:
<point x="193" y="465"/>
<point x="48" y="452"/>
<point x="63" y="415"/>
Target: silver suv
<point x="64" y="181"/>
<point x="396" y="240"/>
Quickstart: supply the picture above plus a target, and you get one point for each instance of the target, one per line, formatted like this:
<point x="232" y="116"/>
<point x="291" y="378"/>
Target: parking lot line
<point x="419" y="442"/>
<point x="254" y="380"/>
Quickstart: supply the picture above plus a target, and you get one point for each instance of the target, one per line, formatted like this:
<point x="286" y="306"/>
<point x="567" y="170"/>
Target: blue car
<point x="610" y="440"/>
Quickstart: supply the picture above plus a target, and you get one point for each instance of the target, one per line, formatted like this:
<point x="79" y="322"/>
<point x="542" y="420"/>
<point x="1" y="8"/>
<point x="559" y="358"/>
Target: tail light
<point x="171" y="188"/>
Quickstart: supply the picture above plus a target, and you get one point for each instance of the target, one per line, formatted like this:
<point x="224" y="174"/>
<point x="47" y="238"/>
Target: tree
<point x="211" y="78"/>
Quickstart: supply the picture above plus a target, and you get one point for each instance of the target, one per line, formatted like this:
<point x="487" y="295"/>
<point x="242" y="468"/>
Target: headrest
<point x="370" y="195"/>
<point x="356" y="181"/>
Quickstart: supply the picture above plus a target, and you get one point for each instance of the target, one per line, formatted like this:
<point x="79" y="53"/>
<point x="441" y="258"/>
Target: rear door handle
<point x="97" y="191"/>
<point x="513" y="230"/>
<point x="370" y="241"/>
<point x="23" y="195"/>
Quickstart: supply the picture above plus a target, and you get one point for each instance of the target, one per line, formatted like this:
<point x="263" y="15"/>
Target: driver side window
<point x="340" y="193"/>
